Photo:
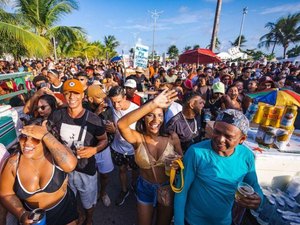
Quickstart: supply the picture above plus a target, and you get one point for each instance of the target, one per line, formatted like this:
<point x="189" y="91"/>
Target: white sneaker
<point x="106" y="200"/>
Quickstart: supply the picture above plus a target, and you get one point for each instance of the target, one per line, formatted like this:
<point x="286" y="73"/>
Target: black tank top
<point x="55" y="182"/>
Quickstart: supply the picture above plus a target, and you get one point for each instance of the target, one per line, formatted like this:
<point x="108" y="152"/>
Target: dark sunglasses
<point x="24" y="136"/>
<point x="43" y="107"/>
<point x="82" y="79"/>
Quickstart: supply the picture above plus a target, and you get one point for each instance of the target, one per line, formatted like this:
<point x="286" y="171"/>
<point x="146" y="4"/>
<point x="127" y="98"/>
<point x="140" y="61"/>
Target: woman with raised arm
<point x="152" y="147"/>
<point x="36" y="177"/>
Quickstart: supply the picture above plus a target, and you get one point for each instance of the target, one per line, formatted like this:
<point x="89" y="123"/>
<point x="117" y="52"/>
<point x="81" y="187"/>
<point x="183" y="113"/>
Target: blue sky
<point x="183" y="22"/>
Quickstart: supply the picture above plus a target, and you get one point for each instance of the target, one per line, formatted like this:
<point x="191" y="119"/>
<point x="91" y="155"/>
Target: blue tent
<point x="116" y="58"/>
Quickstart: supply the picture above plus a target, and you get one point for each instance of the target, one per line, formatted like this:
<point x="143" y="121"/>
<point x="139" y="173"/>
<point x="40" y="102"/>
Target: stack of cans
<point x="280" y="208"/>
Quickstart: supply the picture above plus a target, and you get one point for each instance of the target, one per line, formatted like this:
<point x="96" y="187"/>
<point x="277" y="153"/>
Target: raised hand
<point x="35" y="131"/>
<point x="165" y="98"/>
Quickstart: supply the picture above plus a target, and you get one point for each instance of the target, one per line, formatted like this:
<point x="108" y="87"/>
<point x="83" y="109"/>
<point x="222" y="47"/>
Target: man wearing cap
<point x="140" y="78"/>
<point x="213" y="170"/>
<point x="83" y="132"/>
<point x="97" y="104"/>
<point x="130" y="87"/>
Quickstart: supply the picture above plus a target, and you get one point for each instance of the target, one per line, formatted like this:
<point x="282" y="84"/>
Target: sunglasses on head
<point x="43" y="107"/>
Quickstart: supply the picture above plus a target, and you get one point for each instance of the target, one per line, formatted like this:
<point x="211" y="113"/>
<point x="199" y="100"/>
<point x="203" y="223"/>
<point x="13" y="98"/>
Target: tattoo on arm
<point x="15" y="201"/>
<point x="59" y="151"/>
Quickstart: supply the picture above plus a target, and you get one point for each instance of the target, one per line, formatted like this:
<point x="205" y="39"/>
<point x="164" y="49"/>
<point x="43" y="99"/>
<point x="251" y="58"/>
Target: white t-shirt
<point x="119" y="144"/>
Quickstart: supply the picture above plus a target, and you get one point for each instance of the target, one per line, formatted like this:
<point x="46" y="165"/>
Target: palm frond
<point x="34" y="44"/>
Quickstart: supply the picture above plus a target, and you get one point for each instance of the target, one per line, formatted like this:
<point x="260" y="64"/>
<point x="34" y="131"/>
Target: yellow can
<point x="289" y="117"/>
<point x="265" y="118"/>
<point x="259" y="114"/>
<point x="275" y="115"/>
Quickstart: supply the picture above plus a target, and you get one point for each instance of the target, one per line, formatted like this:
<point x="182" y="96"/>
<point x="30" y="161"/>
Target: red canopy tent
<point x="199" y="56"/>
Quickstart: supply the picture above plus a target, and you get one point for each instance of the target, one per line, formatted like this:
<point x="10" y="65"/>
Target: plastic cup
<point x="168" y="162"/>
<point x="78" y="145"/>
<point x="243" y="190"/>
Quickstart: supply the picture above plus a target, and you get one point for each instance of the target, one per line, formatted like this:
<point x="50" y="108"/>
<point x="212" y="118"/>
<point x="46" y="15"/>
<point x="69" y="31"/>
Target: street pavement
<point x="116" y="215"/>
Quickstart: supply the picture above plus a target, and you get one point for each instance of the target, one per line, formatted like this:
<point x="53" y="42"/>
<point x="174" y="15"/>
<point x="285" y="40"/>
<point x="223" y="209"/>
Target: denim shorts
<point x="87" y="187"/>
<point x="147" y="191"/>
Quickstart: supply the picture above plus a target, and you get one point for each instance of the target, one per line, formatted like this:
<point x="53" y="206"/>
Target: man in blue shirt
<point x="213" y="170"/>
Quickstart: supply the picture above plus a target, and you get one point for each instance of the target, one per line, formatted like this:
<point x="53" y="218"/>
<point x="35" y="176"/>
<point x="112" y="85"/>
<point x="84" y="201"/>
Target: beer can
<point x="275" y="116"/>
<point x="38" y="216"/>
<point x="269" y="137"/>
<point x="259" y="138"/>
<point x="265" y="118"/>
<point x="259" y="114"/>
<point x="289" y="116"/>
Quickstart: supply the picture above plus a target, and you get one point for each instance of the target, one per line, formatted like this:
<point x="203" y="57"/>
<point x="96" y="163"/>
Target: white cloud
<point x="183" y="9"/>
<point x="189" y="17"/>
<point x="282" y="9"/>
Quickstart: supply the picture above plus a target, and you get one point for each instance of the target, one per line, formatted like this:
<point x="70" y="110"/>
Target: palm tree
<point x="111" y="43"/>
<point x="294" y="51"/>
<point x="271" y="38"/>
<point x="173" y="51"/>
<point x="285" y="31"/>
<point x="235" y="43"/>
<point x="15" y="35"/>
<point x="84" y="49"/>
<point x="217" y="45"/>
<point x="186" y="48"/>
<point x="196" y="47"/>
<point x="39" y="18"/>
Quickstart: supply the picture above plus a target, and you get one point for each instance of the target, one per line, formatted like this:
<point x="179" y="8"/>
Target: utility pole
<point x="216" y="26"/>
<point x="245" y="11"/>
<point x="154" y="15"/>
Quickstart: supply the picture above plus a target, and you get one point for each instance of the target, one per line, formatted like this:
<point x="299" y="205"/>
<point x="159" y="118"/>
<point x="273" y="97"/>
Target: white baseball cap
<point x="130" y="83"/>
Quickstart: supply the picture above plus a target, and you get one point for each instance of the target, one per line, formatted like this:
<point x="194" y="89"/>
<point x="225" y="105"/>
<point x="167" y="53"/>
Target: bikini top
<point x="142" y="158"/>
<point x="55" y="182"/>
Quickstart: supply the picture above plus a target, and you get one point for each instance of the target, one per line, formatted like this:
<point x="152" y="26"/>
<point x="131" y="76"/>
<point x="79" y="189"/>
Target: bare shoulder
<point x="173" y="136"/>
<point x="11" y="162"/>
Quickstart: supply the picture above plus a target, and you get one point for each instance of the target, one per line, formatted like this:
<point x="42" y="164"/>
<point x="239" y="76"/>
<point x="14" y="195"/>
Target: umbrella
<point x="199" y="56"/>
<point x="116" y="58"/>
<point x="277" y="97"/>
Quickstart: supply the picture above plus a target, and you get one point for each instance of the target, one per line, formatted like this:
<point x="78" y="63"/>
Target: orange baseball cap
<point x="73" y="85"/>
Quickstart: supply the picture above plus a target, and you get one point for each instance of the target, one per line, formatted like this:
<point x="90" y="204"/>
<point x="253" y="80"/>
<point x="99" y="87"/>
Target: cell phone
<point x="43" y="85"/>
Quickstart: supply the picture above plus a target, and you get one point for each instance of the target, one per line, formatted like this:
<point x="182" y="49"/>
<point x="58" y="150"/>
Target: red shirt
<point x="136" y="99"/>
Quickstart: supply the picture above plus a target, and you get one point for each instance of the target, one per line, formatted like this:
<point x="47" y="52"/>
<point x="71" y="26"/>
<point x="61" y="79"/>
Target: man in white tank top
<point x="122" y="152"/>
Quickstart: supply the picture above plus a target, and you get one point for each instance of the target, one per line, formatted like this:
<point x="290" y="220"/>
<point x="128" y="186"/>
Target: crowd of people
<point x="86" y="118"/>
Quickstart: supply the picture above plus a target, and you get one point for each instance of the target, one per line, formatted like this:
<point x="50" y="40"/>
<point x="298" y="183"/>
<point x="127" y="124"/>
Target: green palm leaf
<point x="34" y="44"/>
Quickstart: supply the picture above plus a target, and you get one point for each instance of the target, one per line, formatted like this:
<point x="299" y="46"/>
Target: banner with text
<point x="141" y="56"/>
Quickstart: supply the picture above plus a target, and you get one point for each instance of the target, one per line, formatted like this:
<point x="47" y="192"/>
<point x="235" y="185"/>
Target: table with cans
<point x="278" y="173"/>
